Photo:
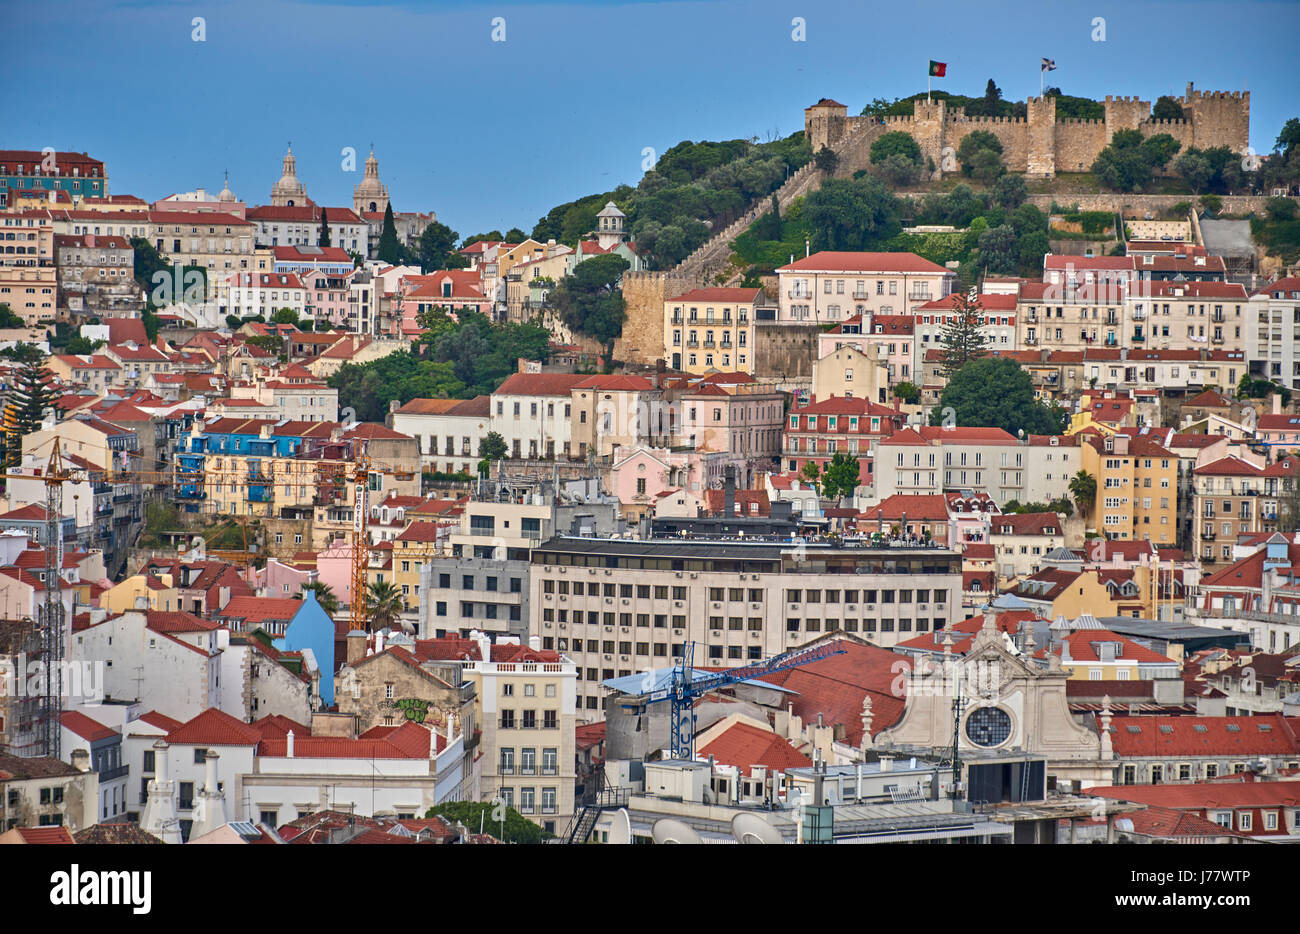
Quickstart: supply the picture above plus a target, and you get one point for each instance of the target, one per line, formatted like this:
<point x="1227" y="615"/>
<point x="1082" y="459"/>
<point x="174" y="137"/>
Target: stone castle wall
<point x="644" y="294"/>
<point x="1039" y="144"/>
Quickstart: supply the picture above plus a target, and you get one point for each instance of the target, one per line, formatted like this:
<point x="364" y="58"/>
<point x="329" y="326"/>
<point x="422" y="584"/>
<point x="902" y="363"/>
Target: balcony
<point x="1139" y="338"/>
<point x="1217" y="339"/>
<point x="1207" y="535"/>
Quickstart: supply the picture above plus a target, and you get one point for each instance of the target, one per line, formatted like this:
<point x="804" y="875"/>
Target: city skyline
<point x="447" y="143"/>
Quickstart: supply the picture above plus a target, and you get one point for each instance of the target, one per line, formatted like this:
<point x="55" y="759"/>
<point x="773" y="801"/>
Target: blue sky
<point x="492" y="134"/>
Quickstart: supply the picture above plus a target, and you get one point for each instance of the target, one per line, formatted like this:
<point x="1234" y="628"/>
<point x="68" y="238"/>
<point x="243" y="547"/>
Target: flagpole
<point x="928" y="78"/>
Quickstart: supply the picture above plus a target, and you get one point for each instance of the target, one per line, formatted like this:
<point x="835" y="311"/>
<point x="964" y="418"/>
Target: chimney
<point x="160" y="762"/>
<point x="356" y="646"/>
<point x="288" y="745"/>
<point x="210" y="771"/>
<point x="886" y="763"/>
<point x="729" y="491"/>
<point x="81" y="760"/>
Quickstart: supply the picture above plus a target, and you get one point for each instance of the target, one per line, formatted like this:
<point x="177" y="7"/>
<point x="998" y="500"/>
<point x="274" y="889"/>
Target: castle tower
<point x="928" y="131"/>
<point x="288" y="191"/>
<point x="825" y="123"/>
<point x="370" y="196"/>
<point x="1040" y="121"/>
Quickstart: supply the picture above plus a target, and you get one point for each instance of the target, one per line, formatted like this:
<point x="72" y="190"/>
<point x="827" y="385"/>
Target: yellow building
<point x="1137" y="488"/>
<point x="1056" y="591"/>
<point x="709" y="330"/>
<point x="141" y="592"/>
<point x="417" y="544"/>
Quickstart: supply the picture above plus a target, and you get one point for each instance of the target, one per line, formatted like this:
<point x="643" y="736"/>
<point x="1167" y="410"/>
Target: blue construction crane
<point x="685" y="687"/>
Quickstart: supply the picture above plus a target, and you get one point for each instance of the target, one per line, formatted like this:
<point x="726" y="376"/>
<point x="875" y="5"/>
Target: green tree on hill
<point x="589" y="301"/>
<point x="964" y="340"/>
<point x="995" y="392"/>
<point x="850" y="214"/>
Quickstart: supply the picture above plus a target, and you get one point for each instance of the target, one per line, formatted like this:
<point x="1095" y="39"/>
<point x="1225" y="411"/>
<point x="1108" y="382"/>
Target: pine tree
<point x="31" y="397"/>
<point x="324" y="238"/>
<point x="776" y="218"/>
<point x="963" y="341"/>
<point x="389" y="251"/>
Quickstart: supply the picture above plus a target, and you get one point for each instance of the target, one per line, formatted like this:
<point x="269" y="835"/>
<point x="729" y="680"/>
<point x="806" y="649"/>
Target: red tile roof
<point x="1258" y="735"/>
<point x="831" y="261"/>
<point x="85" y="727"/>
<point x="743" y="745"/>
<point x="836" y="686"/>
<point x="215" y="727"/>
<point x="539" y="384"/>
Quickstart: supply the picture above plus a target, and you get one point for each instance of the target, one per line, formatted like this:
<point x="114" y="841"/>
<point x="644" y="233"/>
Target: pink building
<point x="742" y="420"/>
<point x="887" y="339"/>
<point x="449" y="289"/>
<point x="278" y="579"/>
<point x="327" y="295"/>
<point x="643" y="477"/>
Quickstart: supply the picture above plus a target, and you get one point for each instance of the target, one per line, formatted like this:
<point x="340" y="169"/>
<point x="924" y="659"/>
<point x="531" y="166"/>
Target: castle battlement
<point x="960" y="117"/>
<point x="1218" y="95"/>
<point x="1039" y="144"/>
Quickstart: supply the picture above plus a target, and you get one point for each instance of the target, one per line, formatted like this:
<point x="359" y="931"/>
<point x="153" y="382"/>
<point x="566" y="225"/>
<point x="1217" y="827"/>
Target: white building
<point x="531" y="412"/>
<point x="159" y="670"/>
<point x="832" y="287"/>
<point x="448" y="430"/>
<point x="1271" y="337"/>
<point x="265" y="293"/>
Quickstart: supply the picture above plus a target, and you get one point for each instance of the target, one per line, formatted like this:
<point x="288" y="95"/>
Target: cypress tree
<point x="324" y="238"/>
<point x="389" y="251"/>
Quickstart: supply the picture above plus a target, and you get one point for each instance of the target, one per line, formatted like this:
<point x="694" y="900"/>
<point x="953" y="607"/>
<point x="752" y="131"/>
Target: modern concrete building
<point x="618" y="606"/>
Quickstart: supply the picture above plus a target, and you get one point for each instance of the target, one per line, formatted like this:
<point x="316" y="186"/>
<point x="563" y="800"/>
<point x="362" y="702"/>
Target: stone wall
<point x="784" y="350"/>
<point x="644" y="294"/>
<point x="1039" y="144"/>
<point x="1140" y="204"/>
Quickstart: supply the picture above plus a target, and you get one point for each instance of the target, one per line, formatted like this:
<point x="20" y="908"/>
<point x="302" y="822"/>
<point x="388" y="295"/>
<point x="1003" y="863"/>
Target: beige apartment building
<point x="618" y="606"/>
<point x="28" y="274"/>
<point x="220" y="243"/>
<point x="830" y="287"/>
<point x="1066" y="317"/>
<point x="528" y="705"/>
<point x="1225" y="505"/>
<point x="1169" y="315"/>
<point x="711" y="329"/>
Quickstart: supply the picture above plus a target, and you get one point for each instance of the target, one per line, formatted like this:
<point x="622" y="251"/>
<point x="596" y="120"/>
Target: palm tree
<point x="1083" y="486"/>
<point x="325" y="596"/>
<point x="385" y="604"/>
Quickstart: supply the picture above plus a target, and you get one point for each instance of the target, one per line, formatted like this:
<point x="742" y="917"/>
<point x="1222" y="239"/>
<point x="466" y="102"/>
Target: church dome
<point x="288" y="190"/>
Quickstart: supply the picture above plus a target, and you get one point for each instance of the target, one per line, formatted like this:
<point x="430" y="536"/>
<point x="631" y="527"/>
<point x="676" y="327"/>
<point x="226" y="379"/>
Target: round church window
<point x="988" y="726"/>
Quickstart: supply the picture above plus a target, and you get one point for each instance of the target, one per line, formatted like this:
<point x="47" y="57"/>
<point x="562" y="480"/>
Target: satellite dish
<point x="620" y="827"/>
<point x="750" y="828"/>
<point x="667" y="830"/>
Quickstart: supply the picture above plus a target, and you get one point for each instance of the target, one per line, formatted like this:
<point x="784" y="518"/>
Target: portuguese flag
<point x="938" y="69"/>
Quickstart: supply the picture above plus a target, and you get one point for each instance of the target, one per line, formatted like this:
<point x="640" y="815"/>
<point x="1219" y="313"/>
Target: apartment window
<point x="529" y="720"/>
<point x="507" y="721"/>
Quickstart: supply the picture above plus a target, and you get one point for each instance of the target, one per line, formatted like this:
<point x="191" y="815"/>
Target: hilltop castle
<point x="1037" y="144"/>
